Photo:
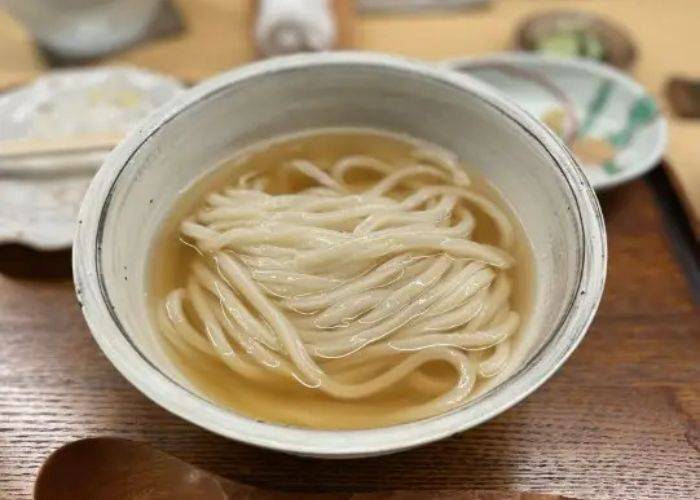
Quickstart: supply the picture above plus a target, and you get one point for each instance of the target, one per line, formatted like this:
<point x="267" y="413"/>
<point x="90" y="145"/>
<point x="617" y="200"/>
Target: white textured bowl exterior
<point x="144" y="175"/>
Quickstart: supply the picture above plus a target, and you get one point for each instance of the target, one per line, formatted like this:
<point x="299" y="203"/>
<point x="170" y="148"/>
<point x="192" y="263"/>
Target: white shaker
<point x="287" y="26"/>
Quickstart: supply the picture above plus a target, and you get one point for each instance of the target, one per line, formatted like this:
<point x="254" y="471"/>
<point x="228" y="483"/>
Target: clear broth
<point x="171" y="258"/>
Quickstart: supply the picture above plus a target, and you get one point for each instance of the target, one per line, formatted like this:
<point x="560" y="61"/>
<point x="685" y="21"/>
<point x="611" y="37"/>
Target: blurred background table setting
<point x="617" y="81"/>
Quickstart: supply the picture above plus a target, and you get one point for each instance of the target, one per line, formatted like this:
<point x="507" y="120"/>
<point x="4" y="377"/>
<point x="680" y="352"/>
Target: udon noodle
<point x="349" y="278"/>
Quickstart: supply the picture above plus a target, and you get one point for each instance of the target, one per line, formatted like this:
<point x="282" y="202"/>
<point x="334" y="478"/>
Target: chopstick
<point x="64" y="164"/>
<point x="26" y="148"/>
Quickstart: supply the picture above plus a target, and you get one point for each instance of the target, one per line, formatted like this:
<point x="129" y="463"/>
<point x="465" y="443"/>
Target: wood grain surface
<point x="621" y="419"/>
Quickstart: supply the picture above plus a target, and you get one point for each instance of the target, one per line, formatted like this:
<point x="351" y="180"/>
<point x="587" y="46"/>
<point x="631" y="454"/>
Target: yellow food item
<point x="592" y="150"/>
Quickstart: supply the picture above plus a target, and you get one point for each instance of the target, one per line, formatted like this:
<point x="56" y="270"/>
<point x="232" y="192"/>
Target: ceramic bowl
<point x="604" y="104"/>
<point x="84" y="28"/>
<point x="144" y="176"/>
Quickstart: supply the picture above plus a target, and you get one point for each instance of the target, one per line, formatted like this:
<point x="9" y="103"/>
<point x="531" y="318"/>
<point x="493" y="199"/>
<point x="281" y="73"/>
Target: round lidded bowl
<point x="143" y="177"/>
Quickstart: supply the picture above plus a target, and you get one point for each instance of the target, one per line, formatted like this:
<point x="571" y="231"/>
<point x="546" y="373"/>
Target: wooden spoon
<point x="14" y="149"/>
<point x="120" y="469"/>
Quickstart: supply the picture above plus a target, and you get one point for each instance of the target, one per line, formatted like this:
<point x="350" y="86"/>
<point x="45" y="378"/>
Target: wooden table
<point x="620" y="420"/>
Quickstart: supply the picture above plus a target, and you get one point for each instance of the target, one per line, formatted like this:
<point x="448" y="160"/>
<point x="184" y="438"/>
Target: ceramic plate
<point x="609" y="121"/>
<point x="40" y="197"/>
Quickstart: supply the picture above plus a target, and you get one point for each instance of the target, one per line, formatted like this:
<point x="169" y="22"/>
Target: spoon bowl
<point x="107" y="468"/>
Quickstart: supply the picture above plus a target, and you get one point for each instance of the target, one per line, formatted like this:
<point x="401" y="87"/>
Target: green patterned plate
<point x="609" y="121"/>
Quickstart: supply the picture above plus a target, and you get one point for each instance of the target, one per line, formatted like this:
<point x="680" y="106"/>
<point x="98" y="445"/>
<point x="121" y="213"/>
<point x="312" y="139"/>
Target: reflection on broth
<point x="341" y="278"/>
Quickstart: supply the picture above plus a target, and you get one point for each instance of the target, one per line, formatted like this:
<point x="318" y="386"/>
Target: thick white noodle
<point x="349" y="289"/>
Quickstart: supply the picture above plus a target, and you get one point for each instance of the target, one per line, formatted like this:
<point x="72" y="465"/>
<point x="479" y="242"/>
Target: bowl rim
<point x="145" y="376"/>
<point x="591" y="67"/>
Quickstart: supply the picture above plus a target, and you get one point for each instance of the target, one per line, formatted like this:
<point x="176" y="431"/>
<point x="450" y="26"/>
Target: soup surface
<point x="339" y="279"/>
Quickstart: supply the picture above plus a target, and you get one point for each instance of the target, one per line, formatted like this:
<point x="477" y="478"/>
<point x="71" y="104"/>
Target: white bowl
<point x="144" y="175"/>
<point x="85" y="28"/>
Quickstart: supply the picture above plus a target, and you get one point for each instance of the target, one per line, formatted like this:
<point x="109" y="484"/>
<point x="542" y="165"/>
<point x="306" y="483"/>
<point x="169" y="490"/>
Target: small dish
<point x="145" y="175"/>
<point x="608" y="119"/>
<point x="576" y="33"/>
<point x="41" y="195"/>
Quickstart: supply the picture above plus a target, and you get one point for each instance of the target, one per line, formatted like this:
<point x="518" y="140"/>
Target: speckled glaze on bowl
<point x="144" y="175"/>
